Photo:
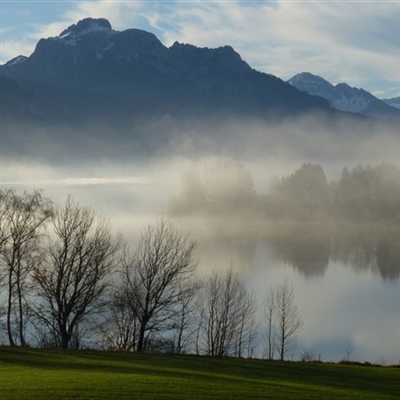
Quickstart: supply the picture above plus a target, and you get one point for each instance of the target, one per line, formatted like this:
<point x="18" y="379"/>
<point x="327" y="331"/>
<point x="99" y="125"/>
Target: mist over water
<point x="346" y="276"/>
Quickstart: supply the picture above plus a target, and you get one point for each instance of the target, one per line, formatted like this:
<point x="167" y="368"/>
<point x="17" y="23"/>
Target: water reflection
<point x="373" y="247"/>
<point x="307" y="247"/>
<point x="304" y="247"/>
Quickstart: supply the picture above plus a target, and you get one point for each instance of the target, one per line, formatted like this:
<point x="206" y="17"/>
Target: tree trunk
<point x="20" y="311"/>
<point x="65" y="338"/>
<point x="140" y="346"/>
<point x="9" y="306"/>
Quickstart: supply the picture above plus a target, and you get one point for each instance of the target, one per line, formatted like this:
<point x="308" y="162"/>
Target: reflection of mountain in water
<point x="307" y="247"/>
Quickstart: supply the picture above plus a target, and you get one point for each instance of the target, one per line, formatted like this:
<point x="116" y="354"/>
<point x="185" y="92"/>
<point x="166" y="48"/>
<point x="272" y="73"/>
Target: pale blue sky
<point x="357" y="42"/>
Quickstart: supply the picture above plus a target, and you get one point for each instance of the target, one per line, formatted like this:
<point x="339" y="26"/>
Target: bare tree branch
<point x="73" y="279"/>
<point x="157" y="277"/>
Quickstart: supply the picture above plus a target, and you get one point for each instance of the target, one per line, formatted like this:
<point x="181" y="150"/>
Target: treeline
<point x="67" y="282"/>
<point x="364" y="193"/>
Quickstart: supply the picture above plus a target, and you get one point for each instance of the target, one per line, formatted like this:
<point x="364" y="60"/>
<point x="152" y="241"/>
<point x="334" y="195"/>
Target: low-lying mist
<point x="317" y="138"/>
<point x="229" y="183"/>
<point x="170" y="166"/>
<point x="166" y="166"/>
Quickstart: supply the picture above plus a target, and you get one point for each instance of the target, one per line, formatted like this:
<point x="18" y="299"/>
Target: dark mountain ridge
<point x="93" y="71"/>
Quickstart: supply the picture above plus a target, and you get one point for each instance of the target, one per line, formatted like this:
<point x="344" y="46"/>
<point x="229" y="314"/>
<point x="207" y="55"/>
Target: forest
<point x="362" y="194"/>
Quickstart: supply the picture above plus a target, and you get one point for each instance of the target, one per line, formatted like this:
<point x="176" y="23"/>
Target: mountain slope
<point x="394" y="102"/>
<point x="344" y="97"/>
<point x="21" y="105"/>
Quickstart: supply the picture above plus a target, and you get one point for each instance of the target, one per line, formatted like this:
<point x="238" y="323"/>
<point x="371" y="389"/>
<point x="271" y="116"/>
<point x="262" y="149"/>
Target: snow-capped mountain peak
<point x="74" y="33"/>
<point x="85" y="26"/>
<point x="343" y="97"/>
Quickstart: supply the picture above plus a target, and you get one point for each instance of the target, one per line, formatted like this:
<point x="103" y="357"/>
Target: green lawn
<point x="45" y="374"/>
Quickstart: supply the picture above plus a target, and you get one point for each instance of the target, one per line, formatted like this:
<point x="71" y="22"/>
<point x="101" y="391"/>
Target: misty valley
<point x="111" y="143"/>
<point x="321" y="236"/>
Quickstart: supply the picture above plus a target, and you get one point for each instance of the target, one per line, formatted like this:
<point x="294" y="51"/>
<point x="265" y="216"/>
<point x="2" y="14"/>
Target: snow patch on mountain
<point x="351" y="99"/>
<point x="100" y="52"/>
<point x="17" y="60"/>
<point x="342" y="96"/>
<point x="74" y="34"/>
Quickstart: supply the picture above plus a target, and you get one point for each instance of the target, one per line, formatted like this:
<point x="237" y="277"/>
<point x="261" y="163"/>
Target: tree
<point x="370" y="192"/>
<point x="247" y="324"/>
<point x="288" y="320"/>
<point x="269" y="312"/>
<point x="349" y="349"/>
<point x="23" y="219"/>
<point x="184" y="325"/>
<point x="72" y="280"/>
<point x="156" y="277"/>
<point x="226" y="314"/>
<point x="121" y="332"/>
<point x="303" y="195"/>
<point x="223" y="189"/>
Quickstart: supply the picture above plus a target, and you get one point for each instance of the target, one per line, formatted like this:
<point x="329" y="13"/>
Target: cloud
<point x="340" y="41"/>
<point x="88" y="181"/>
<point x="122" y="15"/>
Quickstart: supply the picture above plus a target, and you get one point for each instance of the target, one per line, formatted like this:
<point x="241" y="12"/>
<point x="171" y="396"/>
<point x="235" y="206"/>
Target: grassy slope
<point x="39" y="374"/>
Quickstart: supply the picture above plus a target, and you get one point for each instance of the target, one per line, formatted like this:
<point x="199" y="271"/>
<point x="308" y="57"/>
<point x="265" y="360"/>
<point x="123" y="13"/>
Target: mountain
<point x="394" y="102"/>
<point x="91" y="71"/>
<point x="19" y="104"/>
<point x="344" y="97"/>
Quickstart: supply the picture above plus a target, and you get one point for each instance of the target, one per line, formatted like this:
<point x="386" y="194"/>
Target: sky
<point x="357" y="42"/>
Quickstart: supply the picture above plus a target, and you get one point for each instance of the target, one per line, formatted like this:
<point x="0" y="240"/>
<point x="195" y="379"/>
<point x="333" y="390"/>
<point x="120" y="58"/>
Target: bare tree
<point x="307" y="354"/>
<point x="247" y="323"/>
<point x="349" y="349"/>
<point x="157" y="277"/>
<point x="269" y="315"/>
<point x="288" y="320"/>
<point x="72" y="281"/>
<point x="184" y="326"/>
<point x="121" y="331"/>
<point x="226" y="314"/>
<point x="23" y="220"/>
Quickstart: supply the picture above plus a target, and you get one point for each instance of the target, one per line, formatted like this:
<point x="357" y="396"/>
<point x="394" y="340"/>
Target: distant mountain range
<point x="92" y="71"/>
<point x="346" y="98"/>
<point x="395" y="102"/>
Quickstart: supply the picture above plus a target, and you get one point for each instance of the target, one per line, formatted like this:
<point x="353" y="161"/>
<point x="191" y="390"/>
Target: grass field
<point x="45" y="374"/>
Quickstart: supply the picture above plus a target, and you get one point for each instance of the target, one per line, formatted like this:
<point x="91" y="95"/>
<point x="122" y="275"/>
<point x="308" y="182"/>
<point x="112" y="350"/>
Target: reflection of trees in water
<point x="223" y="241"/>
<point x="364" y="247"/>
<point x="388" y="254"/>
<point x="306" y="219"/>
<point x="302" y="246"/>
<point x="307" y="247"/>
<point x="354" y="246"/>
